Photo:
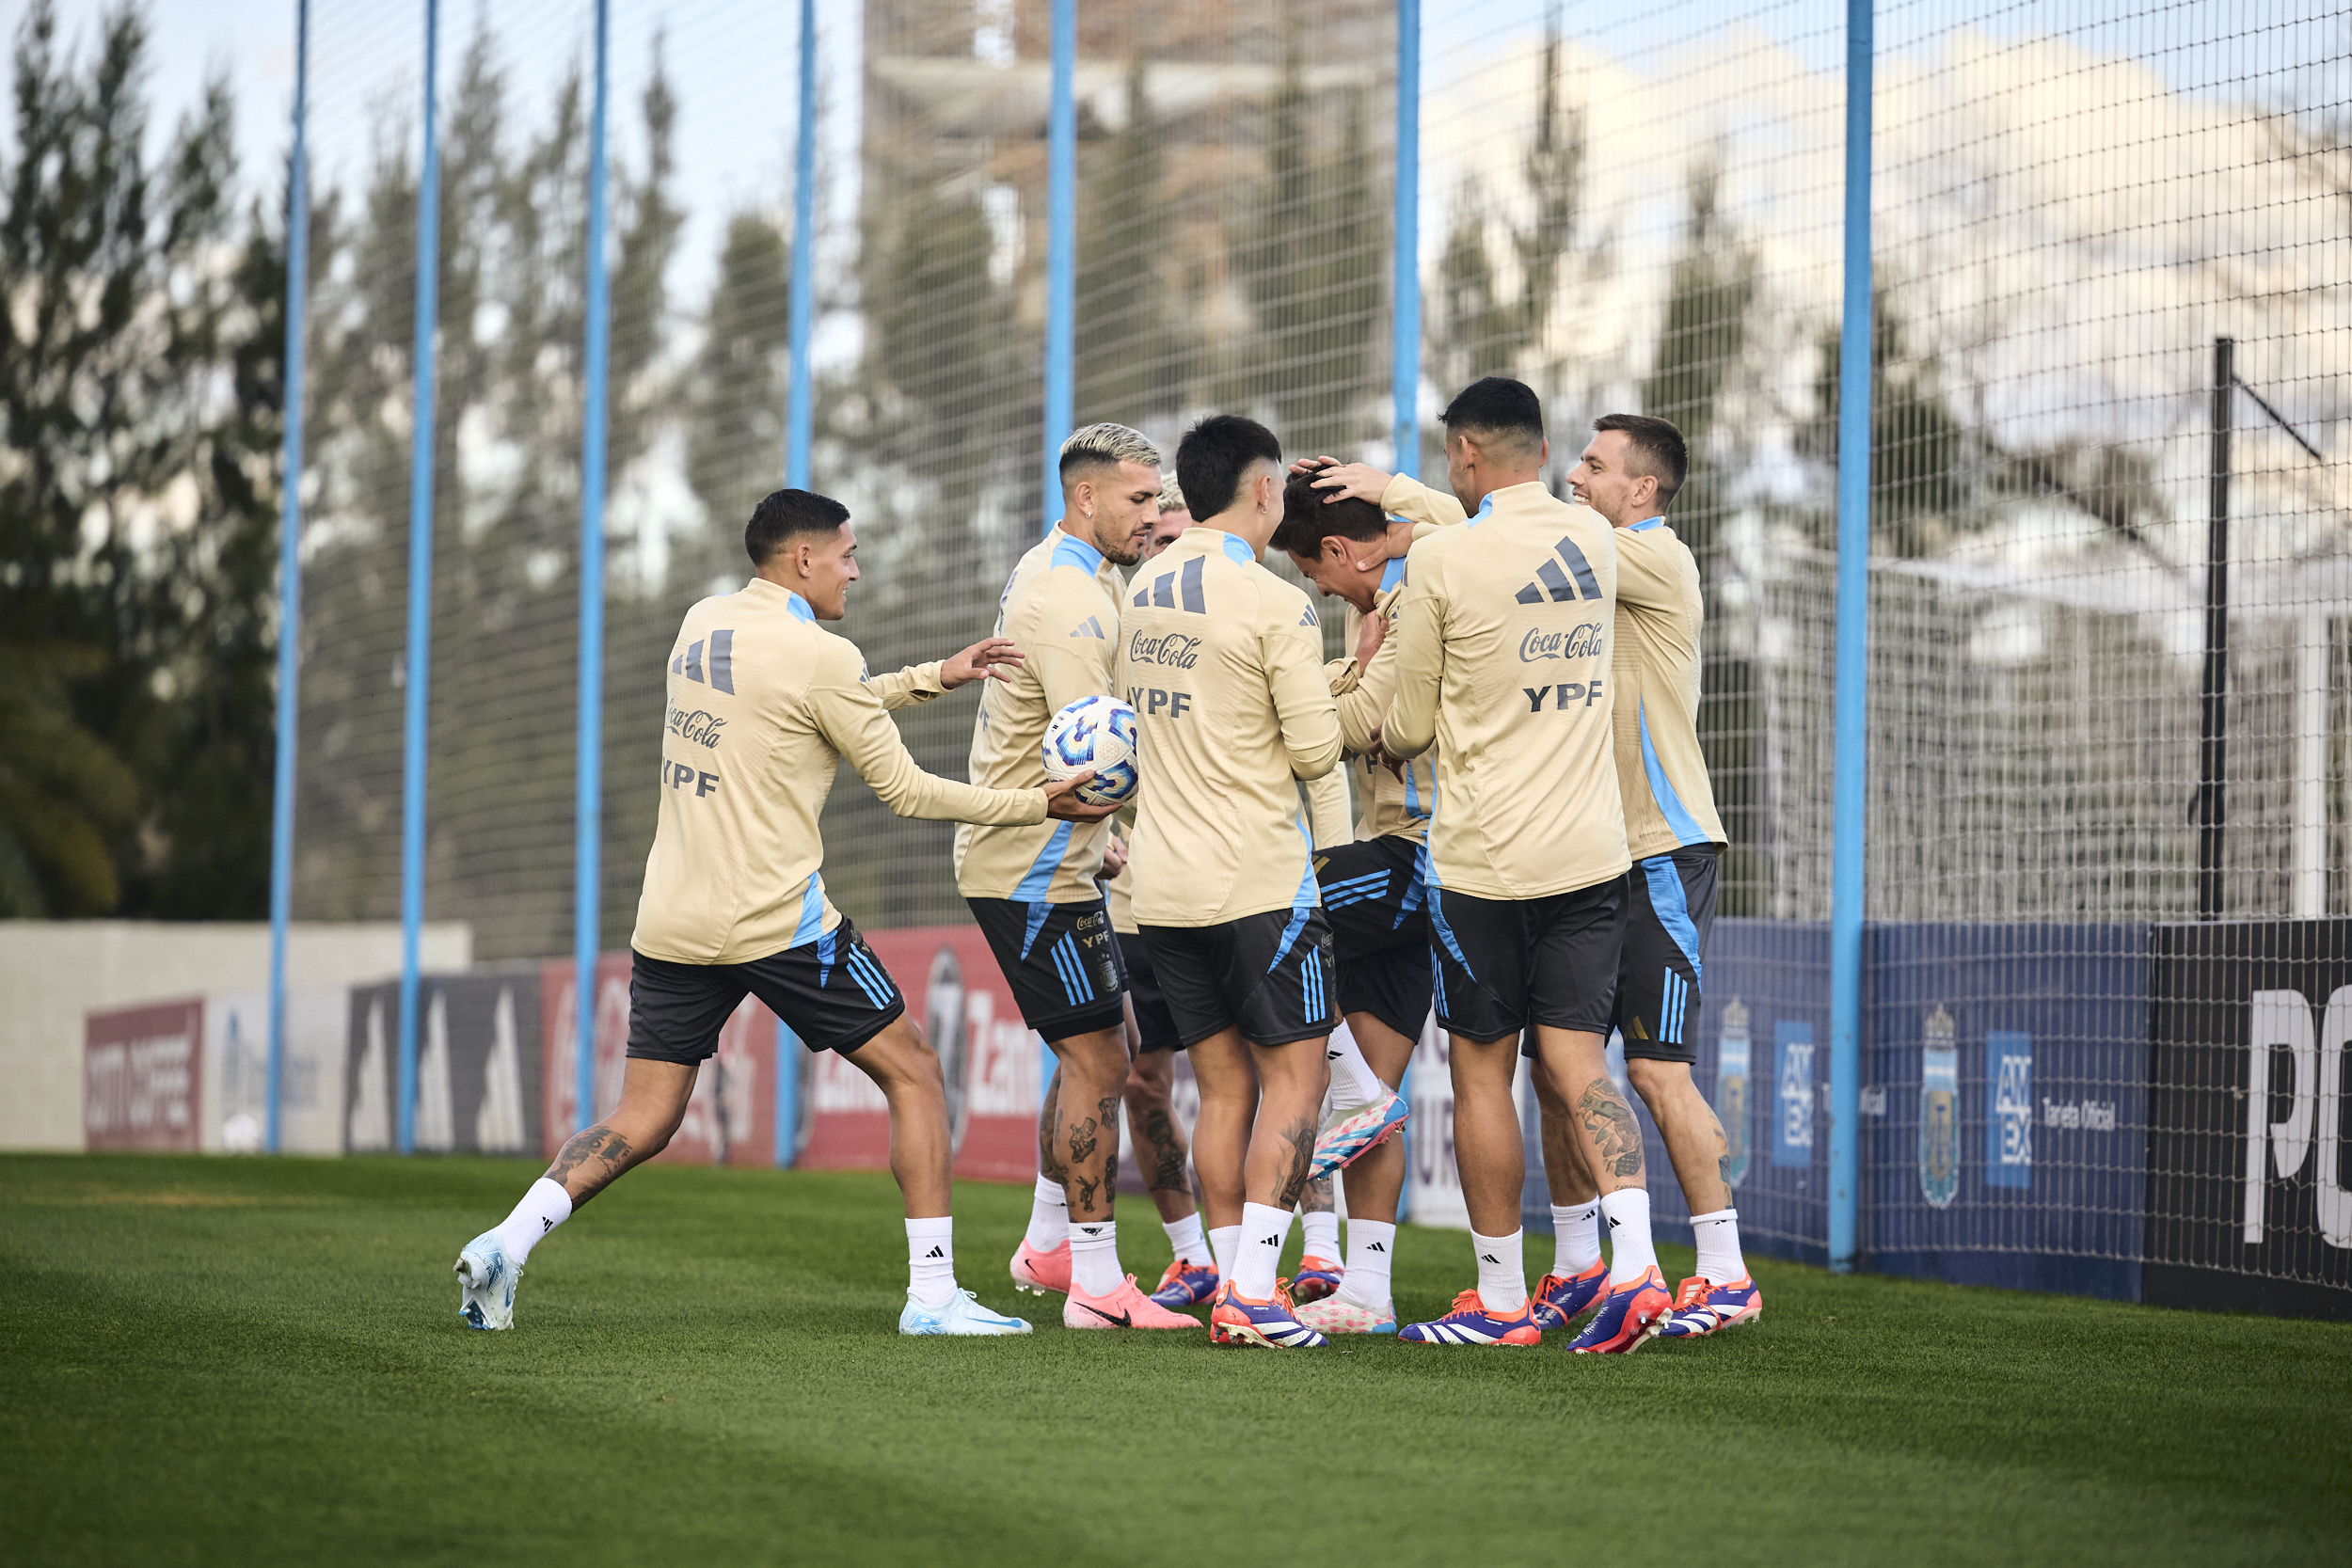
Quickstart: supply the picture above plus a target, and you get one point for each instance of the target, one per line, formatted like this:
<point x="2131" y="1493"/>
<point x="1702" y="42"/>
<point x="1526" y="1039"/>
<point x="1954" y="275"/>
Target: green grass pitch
<point x="242" y="1361"/>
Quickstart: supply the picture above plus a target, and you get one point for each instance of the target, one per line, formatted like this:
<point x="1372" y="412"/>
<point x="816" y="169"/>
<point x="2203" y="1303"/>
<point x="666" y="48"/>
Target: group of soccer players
<point x="1536" y="858"/>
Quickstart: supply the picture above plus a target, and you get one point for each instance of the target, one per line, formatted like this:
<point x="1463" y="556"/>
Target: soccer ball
<point x="1098" y="732"/>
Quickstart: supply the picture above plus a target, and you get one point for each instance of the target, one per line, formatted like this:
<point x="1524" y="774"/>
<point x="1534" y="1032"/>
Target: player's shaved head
<point x="785" y="513"/>
<point x="1309" y="517"/>
<point x="1504" y="417"/>
<point x="1098" y="450"/>
<point x="1654" y="447"/>
<point x="1215" y="455"/>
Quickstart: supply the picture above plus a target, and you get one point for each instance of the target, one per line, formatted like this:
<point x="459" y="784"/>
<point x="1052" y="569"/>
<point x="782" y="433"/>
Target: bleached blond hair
<point x="1172" y="496"/>
<point x="1105" y="446"/>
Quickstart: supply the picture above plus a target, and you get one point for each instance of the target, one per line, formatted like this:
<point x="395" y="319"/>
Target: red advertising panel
<point x="141" y="1068"/>
<point x="731" y="1118"/>
<point x="991" y="1059"/>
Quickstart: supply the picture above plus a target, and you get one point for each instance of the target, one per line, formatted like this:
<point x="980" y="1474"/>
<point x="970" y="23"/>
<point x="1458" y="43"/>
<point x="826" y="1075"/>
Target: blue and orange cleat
<point x="1317" y="1278"/>
<point x="1039" y="1273"/>
<point x="1470" y="1324"/>
<point x="1625" y="1316"/>
<point x="1560" y="1299"/>
<point x="1235" y="1320"/>
<point x="1185" y="1284"/>
<point x="1702" y="1308"/>
<point x="1347" y="1139"/>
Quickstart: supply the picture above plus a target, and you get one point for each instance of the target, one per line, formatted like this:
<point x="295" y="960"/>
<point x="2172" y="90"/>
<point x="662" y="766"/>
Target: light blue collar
<point x="1646" y="525"/>
<point x="1394" y="578"/>
<point x="1485" y="508"/>
<point x="1237" y="548"/>
<point x="798" y="608"/>
<point x="1071" y="550"/>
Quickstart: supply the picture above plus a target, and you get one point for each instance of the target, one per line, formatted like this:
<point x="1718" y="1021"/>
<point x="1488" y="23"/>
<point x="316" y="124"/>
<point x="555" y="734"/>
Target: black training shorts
<point x="1503" y="964"/>
<point x="1269" y="975"/>
<point x="1060" y="961"/>
<point x="833" y="992"/>
<point x="1670" y="908"/>
<point x="1155" y="1023"/>
<point x="1374" y="897"/>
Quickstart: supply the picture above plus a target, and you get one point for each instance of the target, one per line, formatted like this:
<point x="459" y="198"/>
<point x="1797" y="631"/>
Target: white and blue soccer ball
<point x="1098" y="732"/>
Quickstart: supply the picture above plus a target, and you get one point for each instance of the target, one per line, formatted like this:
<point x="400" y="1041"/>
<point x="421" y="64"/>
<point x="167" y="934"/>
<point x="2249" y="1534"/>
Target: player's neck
<point x="1247" y="524"/>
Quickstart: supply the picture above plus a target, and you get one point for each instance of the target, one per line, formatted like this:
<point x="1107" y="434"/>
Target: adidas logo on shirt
<point x="1092" y="627"/>
<point x="1309" y="619"/>
<point x="1551" y="584"/>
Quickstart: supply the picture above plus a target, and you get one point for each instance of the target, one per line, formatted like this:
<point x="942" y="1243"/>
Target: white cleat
<point x="963" y="1314"/>
<point x="485" y="1283"/>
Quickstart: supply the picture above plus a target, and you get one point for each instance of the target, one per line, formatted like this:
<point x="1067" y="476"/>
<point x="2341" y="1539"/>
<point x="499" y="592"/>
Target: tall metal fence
<point x="2101" y="255"/>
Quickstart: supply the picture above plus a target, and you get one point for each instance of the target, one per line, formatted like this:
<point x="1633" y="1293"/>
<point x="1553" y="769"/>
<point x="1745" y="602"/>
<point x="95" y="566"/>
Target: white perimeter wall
<point x="52" y="972"/>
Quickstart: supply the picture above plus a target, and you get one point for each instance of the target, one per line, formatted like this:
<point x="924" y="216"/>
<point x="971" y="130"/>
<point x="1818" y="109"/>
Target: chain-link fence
<point x="1631" y="209"/>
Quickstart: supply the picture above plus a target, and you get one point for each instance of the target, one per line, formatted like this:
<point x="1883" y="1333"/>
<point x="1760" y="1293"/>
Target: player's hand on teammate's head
<point x="1338" y="480"/>
<point x="990" y="658"/>
<point x="1062" y="802"/>
<point x="1369" y="637"/>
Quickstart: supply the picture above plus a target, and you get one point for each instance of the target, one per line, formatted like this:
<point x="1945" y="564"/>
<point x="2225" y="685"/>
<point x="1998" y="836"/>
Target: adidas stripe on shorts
<point x="833" y="992"/>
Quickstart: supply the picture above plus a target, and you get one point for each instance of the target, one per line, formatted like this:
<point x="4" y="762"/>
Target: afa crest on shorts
<point x="1731" y="1089"/>
<point x="1939" y="1112"/>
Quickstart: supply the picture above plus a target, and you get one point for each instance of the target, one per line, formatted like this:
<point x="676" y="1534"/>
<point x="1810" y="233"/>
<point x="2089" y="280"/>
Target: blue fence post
<point x="799" y="415"/>
<point x="788" y="1054"/>
<point x="1405" y="346"/>
<point x="412" y="769"/>
<point x="1061" y="252"/>
<point x="288" y="570"/>
<point x="1851" y="801"/>
<point x="588" y="810"/>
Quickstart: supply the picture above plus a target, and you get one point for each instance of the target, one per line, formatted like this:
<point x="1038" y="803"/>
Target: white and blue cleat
<point x="1348" y="1137"/>
<point x="485" y="1283"/>
<point x="963" y="1314"/>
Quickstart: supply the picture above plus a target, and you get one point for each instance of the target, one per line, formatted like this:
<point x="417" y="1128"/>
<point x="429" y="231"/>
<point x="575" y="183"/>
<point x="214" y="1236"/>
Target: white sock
<point x="1630" y="1254"/>
<point x="1184" y="1239"/>
<point x="1575" y="1237"/>
<point x="1264" y="1230"/>
<point x="1719" y="1246"/>
<point x="1353" y="1082"/>
<point x="1371" y="1257"/>
<point x="1049" y="1216"/>
<point x="1094" y="1257"/>
<point x="1224" y="1241"/>
<point x="546" y="1206"/>
<point x="932" y="1260"/>
<point x="1322" y="1232"/>
<point x="1501" y="1272"/>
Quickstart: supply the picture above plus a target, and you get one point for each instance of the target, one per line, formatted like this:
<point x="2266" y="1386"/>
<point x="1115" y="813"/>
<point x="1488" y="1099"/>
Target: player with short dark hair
<point x="733" y="899"/>
<point x="1503" y="663"/>
<point x="1033" y="890"/>
<point x="1630" y="473"/>
<point x="1222" y="662"/>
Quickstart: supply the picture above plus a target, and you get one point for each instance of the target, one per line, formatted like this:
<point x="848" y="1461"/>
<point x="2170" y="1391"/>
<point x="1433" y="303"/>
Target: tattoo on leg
<point x="1722" y="1161"/>
<point x="1049" y="1162"/>
<point x="1319" y="1198"/>
<point x="1082" y="1142"/>
<point x="1300" y="1135"/>
<point x="1166" y="1172"/>
<point x="597" y="1152"/>
<point x="1610" y="1121"/>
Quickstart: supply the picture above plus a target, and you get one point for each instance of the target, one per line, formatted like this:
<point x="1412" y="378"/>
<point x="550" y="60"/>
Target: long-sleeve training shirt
<point x="1223" y="663"/>
<point x="1503" y="661"/>
<point x="763" y="706"/>
<point x="1395" y="804"/>
<point x="1662" y="772"/>
<point x="1061" y="608"/>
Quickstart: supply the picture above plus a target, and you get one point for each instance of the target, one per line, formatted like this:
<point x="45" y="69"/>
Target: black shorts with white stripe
<point x="833" y="992"/>
<point x="1060" y="961"/>
<point x="1374" y="897"/>
<point x="1267" y="975"/>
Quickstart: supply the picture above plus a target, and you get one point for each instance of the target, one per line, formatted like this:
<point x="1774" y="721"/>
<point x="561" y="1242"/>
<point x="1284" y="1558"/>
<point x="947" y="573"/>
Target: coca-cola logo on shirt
<point x="1584" y="641"/>
<point x="1177" y="652"/>
<point x="699" y="727"/>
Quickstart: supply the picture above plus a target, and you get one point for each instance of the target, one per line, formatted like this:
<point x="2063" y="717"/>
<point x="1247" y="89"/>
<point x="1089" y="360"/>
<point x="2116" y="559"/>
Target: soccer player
<point x="733" y="898"/>
<point x="1033" y="889"/>
<point x="1372" y="895"/>
<point x="1503" y="660"/>
<point x="1630" y="473"/>
<point x="1223" y="663"/>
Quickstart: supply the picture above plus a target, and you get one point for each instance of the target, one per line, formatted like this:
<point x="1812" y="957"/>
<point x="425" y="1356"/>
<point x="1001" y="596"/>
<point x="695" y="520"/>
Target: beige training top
<point x="1061" y="608"/>
<point x="1393" y="804"/>
<point x="764" y="703"/>
<point x="1504" y="661"/>
<point x="1662" y="772"/>
<point x="1326" y="821"/>
<point x="1223" y="664"/>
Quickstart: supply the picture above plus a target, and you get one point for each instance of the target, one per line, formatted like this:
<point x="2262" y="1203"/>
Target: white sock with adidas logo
<point x="546" y="1206"/>
<point x="931" y="1260"/>
<point x="1185" y="1240"/>
<point x="1631" y="1254"/>
<point x="1371" y="1259"/>
<point x="1259" y="1256"/>
<point x="1501" y="1272"/>
<point x="1353" y="1082"/>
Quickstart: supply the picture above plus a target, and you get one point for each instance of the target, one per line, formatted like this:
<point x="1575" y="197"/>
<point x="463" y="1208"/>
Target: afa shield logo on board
<point x="1731" y="1090"/>
<point x="1939" y="1112"/>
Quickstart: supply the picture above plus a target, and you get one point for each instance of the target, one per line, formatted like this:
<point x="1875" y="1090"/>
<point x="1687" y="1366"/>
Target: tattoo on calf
<point x="1320" y="1199"/>
<point x="1609" y="1120"/>
<point x="598" y="1153"/>
<point x="1049" y="1161"/>
<point x="1300" y="1135"/>
<point x="1165" y="1173"/>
